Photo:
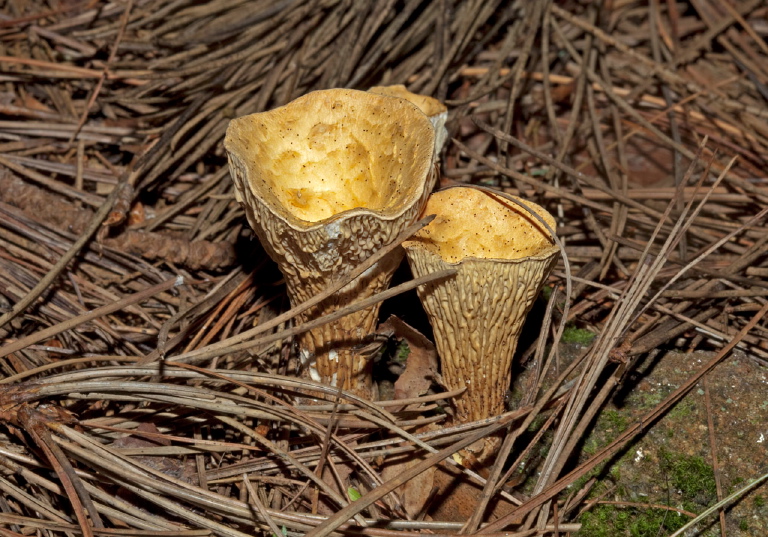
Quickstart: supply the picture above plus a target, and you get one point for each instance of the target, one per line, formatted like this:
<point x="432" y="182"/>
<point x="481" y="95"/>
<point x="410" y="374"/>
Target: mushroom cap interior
<point x="429" y="105"/>
<point x="472" y="223"/>
<point x="335" y="150"/>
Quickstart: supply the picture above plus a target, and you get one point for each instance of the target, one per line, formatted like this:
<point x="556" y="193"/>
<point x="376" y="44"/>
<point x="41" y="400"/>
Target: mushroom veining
<point x="325" y="181"/>
<point x="503" y="259"/>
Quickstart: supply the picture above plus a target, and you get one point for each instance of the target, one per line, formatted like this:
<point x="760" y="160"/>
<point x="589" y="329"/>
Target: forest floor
<point x="148" y="344"/>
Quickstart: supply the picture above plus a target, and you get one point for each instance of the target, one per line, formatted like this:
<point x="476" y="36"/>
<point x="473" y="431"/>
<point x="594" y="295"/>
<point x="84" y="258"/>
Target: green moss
<point x="402" y="351"/>
<point x="759" y="501"/>
<point x="692" y="477"/>
<point x="743" y="524"/>
<point x="651" y="521"/>
<point x="599" y="522"/>
<point x="579" y="336"/>
<point x="582" y="481"/>
<point x="616" y="473"/>
<point x="643" y="400"/>
<point x="691" y="482"/>
<point x="608" y="426"/>
<point x="684" y="409"/>
<point x="612" y="521"/>
<point x="591" y="446"/>
<point x="614" y="420"/>
<point x="538" y="422"/>
<point x="546" y="292"/>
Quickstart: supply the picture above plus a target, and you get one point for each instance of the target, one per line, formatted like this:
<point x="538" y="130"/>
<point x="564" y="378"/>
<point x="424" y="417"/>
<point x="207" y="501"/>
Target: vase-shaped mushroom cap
<point x="330" y="152"/>
<point x="503" y="255"/>
<point x="325" y="181"/>
<point x="471" y="223"/>
<point x="436" y="111"/>
<point x="429" y="105"/>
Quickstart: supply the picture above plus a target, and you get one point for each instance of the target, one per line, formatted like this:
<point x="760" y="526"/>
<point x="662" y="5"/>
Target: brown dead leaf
<point x="152" y="438"/>
<point x="457" y="497"/>
<point x="51" y="345"/>
<point x="137" y="214"/>
<point x="28" y="101"/>
<point x="421" y="364"/>
<point x="415" y="492"/>
<point x="420" y="371"/>
<point x="172" y="466"/>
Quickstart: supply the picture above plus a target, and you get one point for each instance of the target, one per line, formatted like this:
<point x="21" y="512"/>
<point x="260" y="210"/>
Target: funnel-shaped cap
<point x="325" y="181"/>
<point x="436" y="111"/>
<point x="503" y="255"/>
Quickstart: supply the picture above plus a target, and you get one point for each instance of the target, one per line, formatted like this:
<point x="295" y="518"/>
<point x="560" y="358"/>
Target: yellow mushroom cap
<point x="436" y="111"/>
<point x="473" y="223"/>
<point x="503" y="256"/>
<point x="333" y="151"/>
<point x="429" y="105"/>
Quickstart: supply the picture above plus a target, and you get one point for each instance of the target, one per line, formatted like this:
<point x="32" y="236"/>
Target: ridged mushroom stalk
<point x="325" y="182"/>
<point x="503" y="256"/>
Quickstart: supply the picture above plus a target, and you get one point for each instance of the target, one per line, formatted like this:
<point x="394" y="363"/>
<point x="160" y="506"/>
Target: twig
<point x="225" y="347"/>
<point x="253" y="495"/>
<point x="368" y="498"/>
<point x="713" y="451"/>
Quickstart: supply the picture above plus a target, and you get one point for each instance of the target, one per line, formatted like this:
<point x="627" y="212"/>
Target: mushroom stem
<point x="325" y="182"/>
<point x="335" y="352"/>
<point x="503" y="256"/>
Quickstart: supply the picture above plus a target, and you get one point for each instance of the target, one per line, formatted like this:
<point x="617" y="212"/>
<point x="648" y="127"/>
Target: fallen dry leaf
<point x="457" y="497"/>
<point x="416" y="492"/>
<point x="172" y="466"/>
<point x="420" y="371"/>
<point x="421" y="365"/>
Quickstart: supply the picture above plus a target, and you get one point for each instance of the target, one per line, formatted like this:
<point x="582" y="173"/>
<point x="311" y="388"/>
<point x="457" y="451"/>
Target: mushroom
<point x="326" y="181"/>
<point x="503" y="255"/>
<point x="436" y="111"/>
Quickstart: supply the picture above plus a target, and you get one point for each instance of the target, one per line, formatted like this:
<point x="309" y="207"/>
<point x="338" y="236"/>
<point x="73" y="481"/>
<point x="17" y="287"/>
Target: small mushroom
<point x="326" y="181"/>
<point x="503" y="255"/>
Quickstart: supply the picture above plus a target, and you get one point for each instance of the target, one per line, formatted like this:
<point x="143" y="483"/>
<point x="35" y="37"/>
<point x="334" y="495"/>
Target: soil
<point x="672" y="463"/>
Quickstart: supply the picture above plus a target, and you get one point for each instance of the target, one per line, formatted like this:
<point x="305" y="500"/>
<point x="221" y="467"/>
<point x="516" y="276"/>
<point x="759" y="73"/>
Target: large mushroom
<point x="503" y="255"/>
<point x="326" y="181"/>
<point x="436" y="111"/>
